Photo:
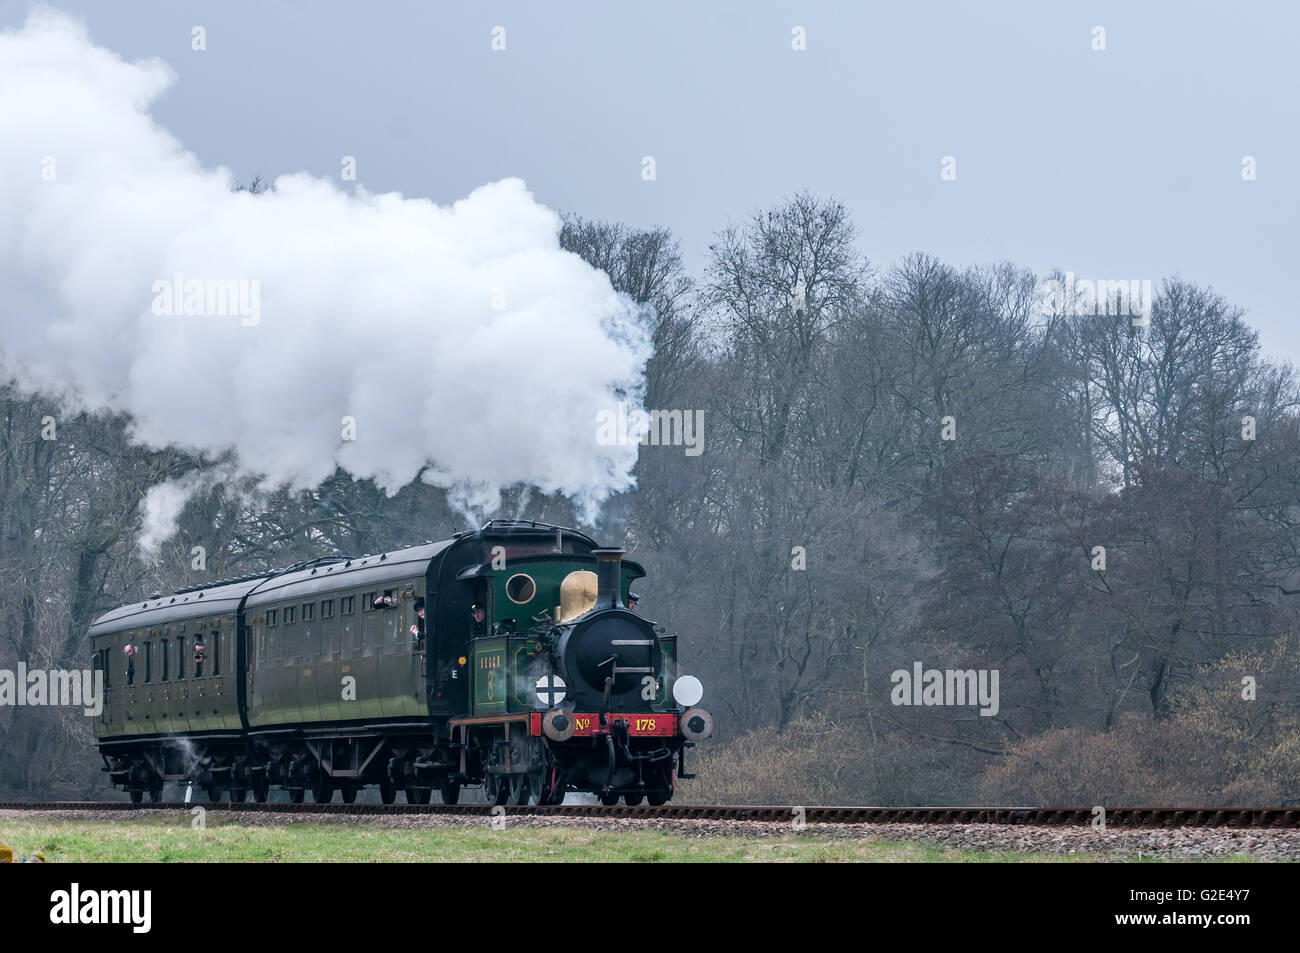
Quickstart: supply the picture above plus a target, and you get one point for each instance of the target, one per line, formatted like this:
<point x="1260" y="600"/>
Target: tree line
<point x="902" y="463"/>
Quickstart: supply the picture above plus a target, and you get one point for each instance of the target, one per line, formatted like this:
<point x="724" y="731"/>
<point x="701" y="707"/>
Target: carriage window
<point x="148" y="661"/>
<point x="367" y="601"/>
<point x="180" y="659"/>
<point x="307" y="609"/>
<point x="390" y="632"/>
<point x="370" y="634"/>
<point x="347" y="604"/>
<point x="215" y="652"/>
<point x="288" y="615"/>
<point x="330" y="641"/>
<point x="270" y="618"/>
<point x="166" y="658"/>
<point x="327" y="609"/>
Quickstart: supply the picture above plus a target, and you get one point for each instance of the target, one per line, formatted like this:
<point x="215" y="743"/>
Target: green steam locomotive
<point x="506" y="657"/>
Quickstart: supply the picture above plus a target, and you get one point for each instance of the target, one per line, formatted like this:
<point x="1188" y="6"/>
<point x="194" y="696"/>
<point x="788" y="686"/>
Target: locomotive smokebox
<point x="609" y="574"/>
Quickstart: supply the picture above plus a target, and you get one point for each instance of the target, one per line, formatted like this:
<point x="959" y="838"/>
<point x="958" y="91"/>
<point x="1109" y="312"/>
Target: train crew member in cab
<point x="632" y="600"/>
<point x="129" y="651"/>
<point x="417" y="629"/>
<point x="477" y="613"/>
<point x="200" y="655"/>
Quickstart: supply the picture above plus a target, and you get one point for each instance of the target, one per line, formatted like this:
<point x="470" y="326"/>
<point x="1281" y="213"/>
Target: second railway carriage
<point x="323" y="678"/>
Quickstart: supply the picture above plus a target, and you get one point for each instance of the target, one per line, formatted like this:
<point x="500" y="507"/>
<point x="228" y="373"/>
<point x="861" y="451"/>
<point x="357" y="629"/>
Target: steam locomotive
<point x="505" y="657"/>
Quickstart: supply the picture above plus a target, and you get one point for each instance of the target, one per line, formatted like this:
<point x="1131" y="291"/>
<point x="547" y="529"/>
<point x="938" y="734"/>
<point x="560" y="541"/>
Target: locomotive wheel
<point x="136" y="796"/>
<point x="212" y="791"/>
<point x="322" y="788"/>
<point x="387" y="792"/>
<point x="610" y="799"/>
<point x="632" y="800"/>
<point x="536" y="786"/>
<point x="552" y="797"/>
<point x="450" y="792"/>
<point x="416" y="795"/>
<point x="657" y="798"/>
<point x="522" y="755"/>
<point x="296" y="795"/>
<point x="156" y="791"/>
<point x="349" y="793"/>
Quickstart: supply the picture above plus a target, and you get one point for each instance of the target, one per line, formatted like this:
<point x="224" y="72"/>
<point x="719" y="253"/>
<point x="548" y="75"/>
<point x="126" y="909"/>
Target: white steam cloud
<point x="459" y="339"/>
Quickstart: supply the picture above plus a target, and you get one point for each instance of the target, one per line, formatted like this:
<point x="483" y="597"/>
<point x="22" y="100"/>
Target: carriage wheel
<point x="416" y="795"/>
<point x="156" y="790"/>
<point x="136" y="796"/>
<point x="349" y="793"/>
<point x="238" y="795"/>
<point x="261" y="788"/>
<point x="450" y="792"/>
<point x="387" y="792"/>
<point x="296" y="795"/>
<point x="322" y="788"/>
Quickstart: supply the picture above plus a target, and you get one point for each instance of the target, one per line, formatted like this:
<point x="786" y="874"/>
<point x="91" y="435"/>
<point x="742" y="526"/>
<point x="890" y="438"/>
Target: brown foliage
<point x="1217" y="748"/>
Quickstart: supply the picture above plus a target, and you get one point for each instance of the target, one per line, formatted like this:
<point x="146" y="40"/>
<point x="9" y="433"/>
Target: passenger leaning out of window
<point x="417" y="630"/>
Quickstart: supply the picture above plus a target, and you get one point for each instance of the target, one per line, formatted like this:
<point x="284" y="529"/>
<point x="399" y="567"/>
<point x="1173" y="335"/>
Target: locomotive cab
<point x="578" y="685"/>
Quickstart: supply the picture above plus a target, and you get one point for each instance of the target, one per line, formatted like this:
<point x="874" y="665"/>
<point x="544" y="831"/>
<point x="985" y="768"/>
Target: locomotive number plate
<point x="654" y="726"/>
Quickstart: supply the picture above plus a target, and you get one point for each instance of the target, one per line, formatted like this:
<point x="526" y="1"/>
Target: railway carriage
<point x="527" y="675"/>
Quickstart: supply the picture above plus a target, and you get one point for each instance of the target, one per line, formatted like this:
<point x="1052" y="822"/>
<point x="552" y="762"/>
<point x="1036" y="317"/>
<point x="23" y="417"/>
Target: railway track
<point x="1274" y="818"/>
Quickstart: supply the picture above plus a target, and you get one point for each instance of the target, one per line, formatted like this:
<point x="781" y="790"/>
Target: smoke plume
<point x="305" y="328"/>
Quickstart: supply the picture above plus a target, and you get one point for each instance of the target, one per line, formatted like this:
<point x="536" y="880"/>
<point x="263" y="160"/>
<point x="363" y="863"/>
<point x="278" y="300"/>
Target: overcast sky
<point x="1125" y="163"/>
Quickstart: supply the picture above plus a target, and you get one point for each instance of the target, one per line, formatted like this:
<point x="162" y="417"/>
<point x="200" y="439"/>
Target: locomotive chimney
<point x="609" y="575"/>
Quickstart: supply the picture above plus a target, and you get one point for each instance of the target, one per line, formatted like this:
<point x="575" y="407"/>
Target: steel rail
<point x="1159" y="817"/>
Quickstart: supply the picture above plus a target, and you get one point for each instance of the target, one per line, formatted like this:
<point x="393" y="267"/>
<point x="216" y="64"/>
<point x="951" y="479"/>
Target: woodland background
<point x="823" y="380"/>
